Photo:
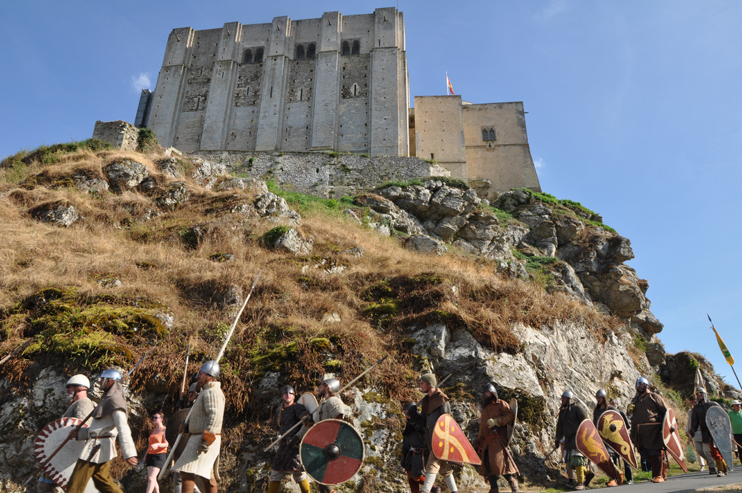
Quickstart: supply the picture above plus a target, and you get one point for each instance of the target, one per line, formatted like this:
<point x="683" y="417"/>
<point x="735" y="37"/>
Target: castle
<point x="337" y="83"/>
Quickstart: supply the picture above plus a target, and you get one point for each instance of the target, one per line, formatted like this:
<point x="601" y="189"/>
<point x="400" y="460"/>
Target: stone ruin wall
<point x="317" y="173"/>
<point x="120" y="134"/>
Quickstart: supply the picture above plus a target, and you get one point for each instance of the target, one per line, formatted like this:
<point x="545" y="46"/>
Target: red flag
<point x="450" y="87"/>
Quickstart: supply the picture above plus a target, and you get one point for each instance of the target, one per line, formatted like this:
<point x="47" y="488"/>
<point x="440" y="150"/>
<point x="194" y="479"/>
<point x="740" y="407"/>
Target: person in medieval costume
<point x="414" y="453"/>
<point x="331" y="407"/>
<point x="198" y="464"/>
<point x="698" y="423"/>
<point x="287" y="457"/>
<point x="183" y="403"/>
<point x="80" y="406"/>
<point x="628" y="473"/>
<point x="646" y="428"/>
<point x="697" y="441"/>
<point x="602" y="406"/>
<point x="735" y="416"/>
<point x="434" y="405"/>
<point x="492" y="440"/>
<point x="109" y="421"/>
<point x="571" y="415"/>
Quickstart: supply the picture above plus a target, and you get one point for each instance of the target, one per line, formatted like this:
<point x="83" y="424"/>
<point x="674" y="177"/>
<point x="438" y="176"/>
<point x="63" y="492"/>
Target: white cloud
<point x="140" y="82"/>
<point x="539" y="163"/>
<point x="554" y="8"/>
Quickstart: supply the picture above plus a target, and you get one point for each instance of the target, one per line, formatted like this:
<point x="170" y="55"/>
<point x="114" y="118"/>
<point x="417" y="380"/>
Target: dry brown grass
<point x="378" y="297"/>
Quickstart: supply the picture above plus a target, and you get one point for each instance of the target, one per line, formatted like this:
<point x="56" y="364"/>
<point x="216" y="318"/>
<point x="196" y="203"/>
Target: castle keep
<point x="337" y="83"/>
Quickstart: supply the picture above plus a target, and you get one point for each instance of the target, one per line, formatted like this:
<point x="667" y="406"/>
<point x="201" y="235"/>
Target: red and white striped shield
<point x="60" y="468"/>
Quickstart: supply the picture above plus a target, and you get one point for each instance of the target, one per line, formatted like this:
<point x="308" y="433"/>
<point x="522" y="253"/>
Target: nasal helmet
<point x="333" y="384"/>
<point x="112" y="374"/>
<point x="211" y="368"/>
<point x="601" y="393"/>
<point x="568" y="394"/>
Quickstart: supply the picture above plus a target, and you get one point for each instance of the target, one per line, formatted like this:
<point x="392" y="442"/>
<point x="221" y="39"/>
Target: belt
<point x="101" y="436"/>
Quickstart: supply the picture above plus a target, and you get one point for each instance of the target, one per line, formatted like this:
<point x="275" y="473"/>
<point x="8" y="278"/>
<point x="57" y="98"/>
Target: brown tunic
<point x="646" y="424"/>
<point x="491" y="440"/>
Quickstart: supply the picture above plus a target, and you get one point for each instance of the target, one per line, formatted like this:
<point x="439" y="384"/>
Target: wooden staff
<point x="16" y="351"/>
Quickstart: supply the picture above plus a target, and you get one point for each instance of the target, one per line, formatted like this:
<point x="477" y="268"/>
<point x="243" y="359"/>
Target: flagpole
<point x="735" y="376"/>
<point x="725" y="351"/>
<point x="447" y="83"/>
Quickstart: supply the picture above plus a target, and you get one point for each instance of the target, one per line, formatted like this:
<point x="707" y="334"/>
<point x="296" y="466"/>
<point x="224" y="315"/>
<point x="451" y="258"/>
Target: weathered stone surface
<point x="648" y="322"/>
<point x="56" y="213"/>
<point x="176" y="194"/>
<point x="254" y="184"/>
<point x="125" y="175"/>
<point x="425" y="244"/>
<point x="656" y="353"/>
<point x="169" y="167"/>
<point x="270" y="206"/>
<point x="88" y="181"/>
<point x="567" y="281"/>
<point x="292" y="242"/>
<point x="567" y="229"/>
<point x="354" y="252"/>
<point x="509" y="201"/>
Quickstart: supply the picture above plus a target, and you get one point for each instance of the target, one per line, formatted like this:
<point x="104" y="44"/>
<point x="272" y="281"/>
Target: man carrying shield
<point x="570" y="417"/>
<point x="183" y="405"/>
<point x="109" y="421"/>
<point x="601" y="407"/>
<point x="492" y="440"/>
<point x="628" y="473"/>
<point x="698" y="423"/>
<point x="204" y="428"/>
<point x="80" y="407"/>
<point x="287" y="457"/>
<point x="646" y="428"/>
<point x="434" y="405"/>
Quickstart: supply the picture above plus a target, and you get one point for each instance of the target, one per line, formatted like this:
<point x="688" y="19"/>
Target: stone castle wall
<point x="318" y="173"/>
<point x="120" y="134"/>
<point x="333" y="83"/>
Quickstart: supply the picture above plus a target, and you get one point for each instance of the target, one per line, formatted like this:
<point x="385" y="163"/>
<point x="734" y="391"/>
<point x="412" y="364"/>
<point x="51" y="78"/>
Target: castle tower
<point x="334" y="83"/>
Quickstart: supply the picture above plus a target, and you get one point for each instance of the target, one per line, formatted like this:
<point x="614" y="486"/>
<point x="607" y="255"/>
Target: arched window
<point x="310" y="50"/>
<point x="346" y="48"/>
<point x="356" y="47"/>
<point x="299" y="51"/>
<point x="492" y="134"/>
<point x="247" y="58"/>
<point x="258" y="55"/>
<point x="485" y="135"/>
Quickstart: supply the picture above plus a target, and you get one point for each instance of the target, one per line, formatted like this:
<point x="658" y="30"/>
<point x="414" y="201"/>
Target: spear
<point x="339" y="391"/>
<point x="164" y="469"/>
<point x="185" y="371"/>
<point x="725" y="351"/>
<point x="15" y="351"/>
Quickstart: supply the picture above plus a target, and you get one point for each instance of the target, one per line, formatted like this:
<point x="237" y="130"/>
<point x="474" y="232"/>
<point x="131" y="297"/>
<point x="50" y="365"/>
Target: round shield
<point x="60" y="467"/>
<point x="332" y="452"/>
<point x="309" y="401"/>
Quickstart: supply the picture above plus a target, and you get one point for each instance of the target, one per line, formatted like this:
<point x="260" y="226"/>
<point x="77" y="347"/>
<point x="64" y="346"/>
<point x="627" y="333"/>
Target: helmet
<point x="193" y="387"/>
<point x="642" y="380"/>
<point x="601" y="393"/>
<point x="333" y="384"/>
<point x="288" y="390"/>
<point x="409" y="406"/>
<point x="490" y="388"/>
<point x="568" y="394"/>
<point x="80" y="380"/>
<point x="112" y="374"/>
<point x="211" y="368"/>
<point x="736" y="403"/>
<point x="700" y="390"/>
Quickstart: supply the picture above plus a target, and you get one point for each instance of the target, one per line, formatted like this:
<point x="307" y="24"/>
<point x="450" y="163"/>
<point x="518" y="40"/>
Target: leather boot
<point x="665" y="468"/>
<point x="513" y="484"/>
<point x="656" y="467"/>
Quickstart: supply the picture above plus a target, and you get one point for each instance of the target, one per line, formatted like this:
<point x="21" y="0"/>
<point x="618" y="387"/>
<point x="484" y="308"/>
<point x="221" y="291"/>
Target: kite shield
<point x="590" y="444"/>
<point x="511" y="426"/>
<point x="60" y="468"/>
<point x="308" y="401"/>
<point x="450" y="443"/>
<point x="332" y="452"/>
<point x="720" y="428"/>
<point x="671" y="437"/>
<point x="612" y="430"/>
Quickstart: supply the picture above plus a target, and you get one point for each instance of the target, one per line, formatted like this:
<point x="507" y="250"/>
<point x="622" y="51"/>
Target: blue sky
<point x="633" y="109"/>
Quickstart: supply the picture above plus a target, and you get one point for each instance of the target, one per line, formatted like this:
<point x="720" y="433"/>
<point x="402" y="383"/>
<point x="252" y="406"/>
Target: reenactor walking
<point x="570" y="417"/>
<point x="434" y="405"/>
<point x="646" y="428"/>
<point x="80" y="407"/>
<point x="628" y="473"/>
<point x="492" y="440"/>
<point x="109" y="422"/>
<point x="287" y="457"/>
<point x="698" y="423"/>
<point x="183" y="406"/>
<point x="199" y="461"/>
<point x="414" y="452"/>
<point x="600" y="408"/>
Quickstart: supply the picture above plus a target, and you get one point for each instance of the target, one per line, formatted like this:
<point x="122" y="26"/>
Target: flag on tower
<point x="449" y="86"/>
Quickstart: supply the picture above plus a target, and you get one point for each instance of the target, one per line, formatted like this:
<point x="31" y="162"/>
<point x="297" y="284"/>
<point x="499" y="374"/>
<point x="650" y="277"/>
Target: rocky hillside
<point x="105" y="253"/>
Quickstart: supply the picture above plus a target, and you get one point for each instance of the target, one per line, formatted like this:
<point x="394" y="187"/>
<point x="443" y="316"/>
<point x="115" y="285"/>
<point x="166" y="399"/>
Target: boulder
<point x="270" y="206"/>
<point x="291" y="241"/>
<point x="56" y="213"/>
<point x="425" y="244"/>
<point x="125" y="175"/>
<point x="169" y="167"/>
<point x="568" y="228"/>
<point x="175" y="195"/>
<point x="87" y="180"/>
<point x="258" y="186"/>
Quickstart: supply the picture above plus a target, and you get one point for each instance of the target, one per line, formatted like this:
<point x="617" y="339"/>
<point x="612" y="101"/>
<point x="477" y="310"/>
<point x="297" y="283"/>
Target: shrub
<point x="147" y="141"/>
<point x="270" y="237"/>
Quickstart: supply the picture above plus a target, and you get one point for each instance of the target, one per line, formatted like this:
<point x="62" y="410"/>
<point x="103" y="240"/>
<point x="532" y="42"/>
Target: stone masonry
<point x="120" y="134"/>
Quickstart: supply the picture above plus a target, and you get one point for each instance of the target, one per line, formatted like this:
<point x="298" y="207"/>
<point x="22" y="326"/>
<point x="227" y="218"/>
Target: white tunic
<point x="103" y="432"/>
<point x="206" y="415"/>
